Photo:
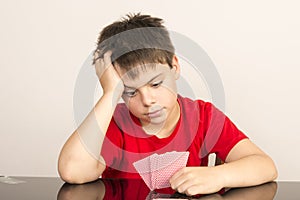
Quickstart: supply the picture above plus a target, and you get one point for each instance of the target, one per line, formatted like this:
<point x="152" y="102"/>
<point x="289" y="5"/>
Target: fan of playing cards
<point x="156" y="170"/>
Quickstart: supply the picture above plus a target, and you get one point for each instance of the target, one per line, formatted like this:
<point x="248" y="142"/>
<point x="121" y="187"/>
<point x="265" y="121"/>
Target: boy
<point x="135" y="60"/>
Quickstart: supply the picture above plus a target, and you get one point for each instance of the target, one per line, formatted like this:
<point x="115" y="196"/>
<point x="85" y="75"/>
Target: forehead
<point x="141" y="74"/>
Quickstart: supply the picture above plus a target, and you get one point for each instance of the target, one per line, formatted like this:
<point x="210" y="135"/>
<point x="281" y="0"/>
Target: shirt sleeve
<point x="221" y="133"/>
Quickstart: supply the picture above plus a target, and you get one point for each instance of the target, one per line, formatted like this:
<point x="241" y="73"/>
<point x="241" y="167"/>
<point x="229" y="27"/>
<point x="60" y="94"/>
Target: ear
<point x="175" y="67"/>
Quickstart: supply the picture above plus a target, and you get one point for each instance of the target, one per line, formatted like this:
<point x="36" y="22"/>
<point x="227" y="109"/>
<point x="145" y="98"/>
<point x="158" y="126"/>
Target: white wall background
<point x="43" y="44"/>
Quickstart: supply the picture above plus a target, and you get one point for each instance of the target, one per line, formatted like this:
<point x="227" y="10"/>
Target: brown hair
<point x="136" y="39"/>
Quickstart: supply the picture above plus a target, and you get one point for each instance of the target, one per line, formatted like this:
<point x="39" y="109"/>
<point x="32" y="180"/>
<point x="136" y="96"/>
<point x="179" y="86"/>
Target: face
<point x="152" y="95"/>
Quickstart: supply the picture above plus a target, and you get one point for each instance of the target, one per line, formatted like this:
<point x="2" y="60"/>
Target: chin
<point x="158" y="121"/>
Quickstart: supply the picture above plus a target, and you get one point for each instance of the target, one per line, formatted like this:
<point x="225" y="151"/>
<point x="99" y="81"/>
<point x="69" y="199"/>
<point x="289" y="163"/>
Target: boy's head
<point x="136" y="40"/>
<point x="143" y="55"/>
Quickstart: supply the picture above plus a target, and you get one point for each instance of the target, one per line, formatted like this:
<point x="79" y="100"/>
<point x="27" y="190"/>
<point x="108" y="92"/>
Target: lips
<point x="155" y="113"/>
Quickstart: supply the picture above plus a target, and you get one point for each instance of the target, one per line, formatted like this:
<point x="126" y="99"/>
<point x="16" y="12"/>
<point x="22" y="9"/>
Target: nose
<point x="147" y="96"/>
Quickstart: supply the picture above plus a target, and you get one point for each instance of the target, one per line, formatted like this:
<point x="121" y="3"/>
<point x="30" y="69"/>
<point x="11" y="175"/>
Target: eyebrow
<point x="147" y="82"/>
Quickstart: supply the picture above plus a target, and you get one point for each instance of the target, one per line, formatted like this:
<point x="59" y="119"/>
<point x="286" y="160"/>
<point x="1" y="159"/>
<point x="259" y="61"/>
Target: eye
<point x="156" y="84"/>
<point x="130" y="93"/>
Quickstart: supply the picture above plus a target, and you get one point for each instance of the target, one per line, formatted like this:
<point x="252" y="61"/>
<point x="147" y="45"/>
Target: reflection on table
<point x="136" y="189"/>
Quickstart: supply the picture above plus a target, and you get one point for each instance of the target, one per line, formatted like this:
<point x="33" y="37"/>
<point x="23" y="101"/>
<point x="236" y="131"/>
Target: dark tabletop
<point x="12" y="188"/>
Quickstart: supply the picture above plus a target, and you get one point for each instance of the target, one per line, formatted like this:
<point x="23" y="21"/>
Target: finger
<point x="96" y="56"/>
<point x="198" y="189"/>
<point x="99" y="66"/>
<point x="177" y="182"/>
<point x="186" y="183"/>
<point x="108" y="53"/>
<point x="107" y="58"/>
<point x="97" y="59"/>
<point x="177" y="174"/>
<point x="184" y="186"/>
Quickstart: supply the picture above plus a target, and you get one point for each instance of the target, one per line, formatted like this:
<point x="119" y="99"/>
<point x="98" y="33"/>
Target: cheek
<point x="170" y="83"/>
<point x="169" y="88"/>
<point x="166" y="97"/>
<point x="132" y="104"/>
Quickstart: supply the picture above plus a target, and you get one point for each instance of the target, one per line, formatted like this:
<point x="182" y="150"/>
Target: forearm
<point x="93" y="129"/>
<point x="247" y="171"/>
<point x="80" y="156"/>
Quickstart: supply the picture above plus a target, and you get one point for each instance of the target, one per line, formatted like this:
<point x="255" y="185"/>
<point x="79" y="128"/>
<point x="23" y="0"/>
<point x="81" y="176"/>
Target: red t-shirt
<point x="202" y="129"/>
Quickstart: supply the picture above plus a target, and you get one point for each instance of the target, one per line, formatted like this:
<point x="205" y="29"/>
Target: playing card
<point x="143" y="168"/>
<point x="153" y="167"/>
<point x="169" y="163"/>
<point x="156" y="170"/>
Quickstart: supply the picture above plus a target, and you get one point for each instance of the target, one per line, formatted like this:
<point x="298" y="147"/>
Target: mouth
<point x="155" y="113"/>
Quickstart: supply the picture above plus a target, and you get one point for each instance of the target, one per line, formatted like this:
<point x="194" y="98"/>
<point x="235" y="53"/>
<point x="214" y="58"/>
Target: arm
<point x="245" y="165"/>
<point x="79" y="158"/>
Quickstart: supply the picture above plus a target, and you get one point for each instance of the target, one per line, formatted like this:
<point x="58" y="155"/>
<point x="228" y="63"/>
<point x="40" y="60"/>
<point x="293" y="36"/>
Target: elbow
<point x="70" y="177"/>
<point x="76" y="175"/>
<point x="73" y="178"/>
<point x="273" y="171"/>
<point x="69" y="174"/>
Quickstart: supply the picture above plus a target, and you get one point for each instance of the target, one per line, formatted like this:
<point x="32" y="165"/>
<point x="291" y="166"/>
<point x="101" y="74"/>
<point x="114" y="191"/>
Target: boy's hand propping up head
<point x="109" y="78"/>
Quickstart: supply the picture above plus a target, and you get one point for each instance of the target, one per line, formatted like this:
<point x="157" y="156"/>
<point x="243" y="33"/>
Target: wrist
<point x="113" y="96"/>
<point x="223" y="175"/>
<point x="115" y="91"/>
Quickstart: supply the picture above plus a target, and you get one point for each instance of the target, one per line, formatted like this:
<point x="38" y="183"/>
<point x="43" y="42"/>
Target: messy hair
<point x="136" y="40"/>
